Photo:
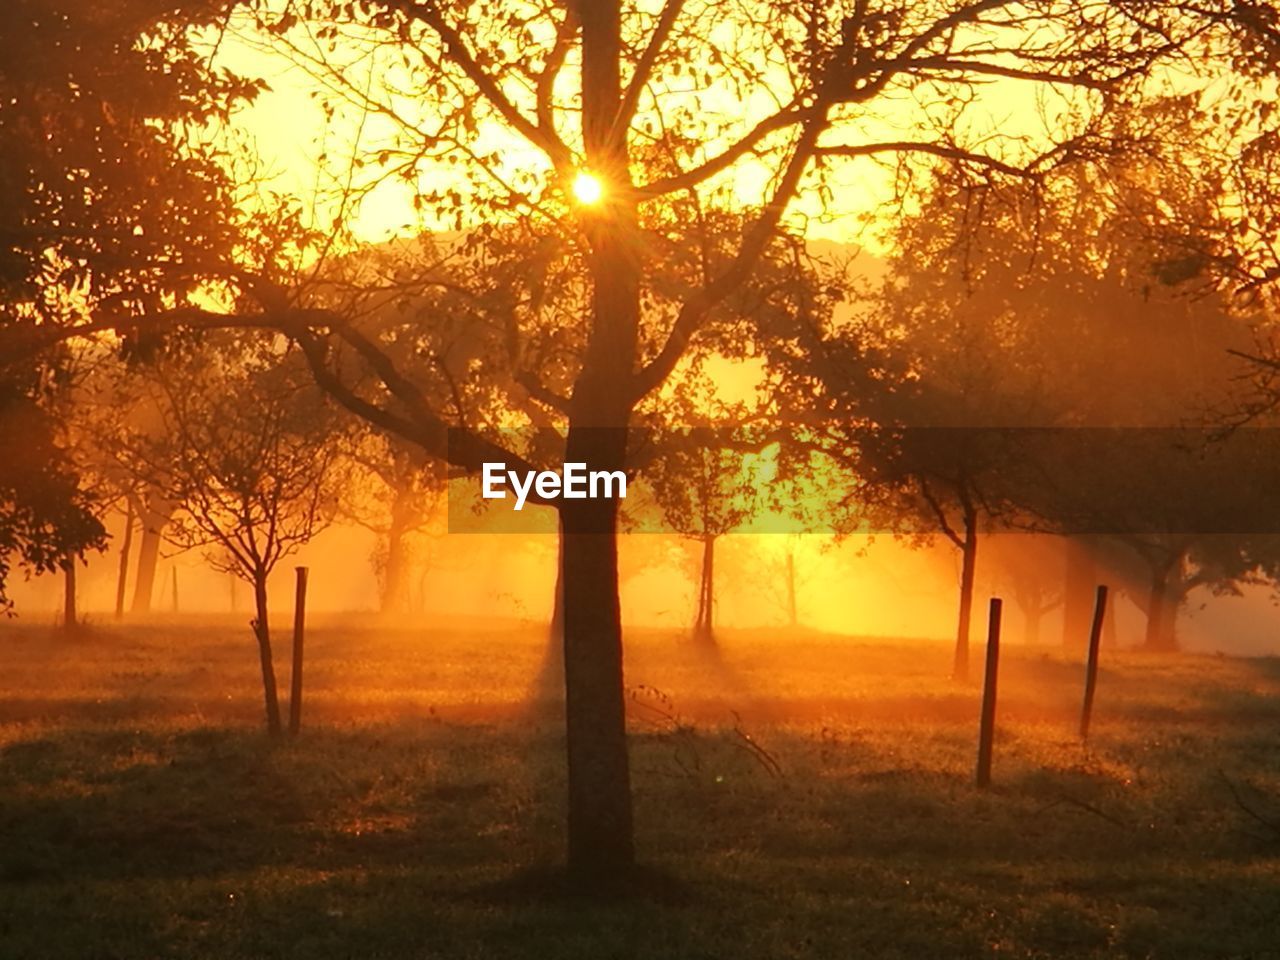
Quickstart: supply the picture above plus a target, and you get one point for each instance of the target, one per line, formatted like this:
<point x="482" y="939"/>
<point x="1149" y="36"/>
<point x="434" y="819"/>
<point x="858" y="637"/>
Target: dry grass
<point x="144" y="814"/>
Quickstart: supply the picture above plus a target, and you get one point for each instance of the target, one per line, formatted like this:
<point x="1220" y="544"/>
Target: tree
<point x="106" y="207"/>
<point x="1014" y="305"/>
<point x="396" y="495"/>
<point x="702" y="478"/>
<point x="46" y="517"/>
<point x="704" y="490"/>
<point x="249" y="453"/>
<point x="662" y="155"/>
<point x="619" y="100"/>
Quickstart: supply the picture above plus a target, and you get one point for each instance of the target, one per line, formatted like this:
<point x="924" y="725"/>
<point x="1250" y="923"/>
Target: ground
<point x="797" y="795"/>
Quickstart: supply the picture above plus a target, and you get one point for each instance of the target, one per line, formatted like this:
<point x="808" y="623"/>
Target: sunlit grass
<point x="146" y="815"/>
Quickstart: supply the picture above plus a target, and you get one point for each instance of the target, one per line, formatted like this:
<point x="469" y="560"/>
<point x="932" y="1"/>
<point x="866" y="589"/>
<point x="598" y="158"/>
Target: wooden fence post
<point x="1091" y="670"/>
<point x="70" y="619"/>
<point x="295" y="679"/>
<point x="987" y="726"/>
<point x="122" y="575"/>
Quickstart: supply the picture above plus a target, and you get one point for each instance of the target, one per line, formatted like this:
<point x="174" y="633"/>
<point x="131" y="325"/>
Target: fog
<point x="858" y="586"/>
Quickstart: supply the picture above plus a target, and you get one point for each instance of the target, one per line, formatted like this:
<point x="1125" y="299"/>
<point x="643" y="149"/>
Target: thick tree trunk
<point x="968" y="567"/>
<point x="70" y="619"/>
<point x="262" y="631"/>
<point x="1033" y="614"/>
<point x="148" y="556"/>
<point x="1078" y="594"/>
<point x="704" y="619"/>
<point x="154" y="517"/>
<point x="122" y="576"/>
<point x="395" y="575"/>
<point x="600" y="840"/>
<point x="1162" y="606"/>
<point x="600" y="827"/>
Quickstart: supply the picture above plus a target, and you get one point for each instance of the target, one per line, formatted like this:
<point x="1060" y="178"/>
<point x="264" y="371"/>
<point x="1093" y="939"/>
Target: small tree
<point x="704" y="490"/>
<point x="396" y="494"/>
<point x="250" y="453"/>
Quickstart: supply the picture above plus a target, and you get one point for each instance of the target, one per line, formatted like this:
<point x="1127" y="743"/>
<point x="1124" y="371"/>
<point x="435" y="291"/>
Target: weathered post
<point x="1091" y="671"/>
<point x="123" y="574"/>
<point x="70" y="620"/>
<point x="295" y="680"/>
<point x="987" y="726"/>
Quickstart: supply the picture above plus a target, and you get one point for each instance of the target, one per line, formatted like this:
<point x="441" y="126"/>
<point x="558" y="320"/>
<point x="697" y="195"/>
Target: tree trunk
<point x="548" y="688"/>
<point x="1033" y="614"/>
<point x="262" y="631"/>
<point x="600" y="827"/>
<point x="122" y="577"/>
<point x="155" y="517"/>
<point x="70" y="620"/>
<point x="600" y="840"/>
<point x="555" y="631"/>
<point x="703" y="621"/>
<point x="1162" y="606"/>
<point x="395" y="574"/>
<point x="1078" y="594"/>
<point x="968" y="567"/>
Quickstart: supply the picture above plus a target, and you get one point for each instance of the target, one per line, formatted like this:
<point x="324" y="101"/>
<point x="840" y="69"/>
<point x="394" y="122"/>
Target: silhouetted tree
<point x="106" y="208"/>
<point x="397" y="495"/>
<point x="602" y="88"/>
<point x="249" y="453"/>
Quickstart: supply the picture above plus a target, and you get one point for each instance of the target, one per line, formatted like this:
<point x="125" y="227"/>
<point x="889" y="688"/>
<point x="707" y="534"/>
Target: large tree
<point x="109" y="208"/>
<point x="669" y="110"/>
<point x="491" y="114"/>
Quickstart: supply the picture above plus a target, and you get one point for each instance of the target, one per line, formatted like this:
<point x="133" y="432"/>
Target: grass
<point x="144" y="815"/>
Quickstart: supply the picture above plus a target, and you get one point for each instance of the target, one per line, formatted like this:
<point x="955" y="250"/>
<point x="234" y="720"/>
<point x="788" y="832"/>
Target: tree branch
<point x="644" y="68"/>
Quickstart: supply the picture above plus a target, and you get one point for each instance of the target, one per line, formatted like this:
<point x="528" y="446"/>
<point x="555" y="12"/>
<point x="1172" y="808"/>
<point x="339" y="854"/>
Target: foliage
<point x="111" y="207"/>
<point x="46" y="516"/>
<point x="249" y="451"/>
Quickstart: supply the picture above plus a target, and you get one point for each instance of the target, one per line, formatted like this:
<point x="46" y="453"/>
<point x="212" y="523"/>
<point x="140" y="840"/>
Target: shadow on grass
<point x="552" y="884"/>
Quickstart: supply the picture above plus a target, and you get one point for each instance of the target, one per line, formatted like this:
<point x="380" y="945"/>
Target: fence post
<point x="295" y="679"/>
<point x="1091" y="670"/>
<point x="987" y="727"/>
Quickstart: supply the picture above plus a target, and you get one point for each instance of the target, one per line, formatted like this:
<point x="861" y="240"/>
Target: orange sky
<point x="290" y="131"/>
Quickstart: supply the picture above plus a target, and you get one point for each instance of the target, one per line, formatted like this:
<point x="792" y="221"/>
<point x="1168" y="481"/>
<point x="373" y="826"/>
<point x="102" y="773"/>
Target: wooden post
<point x="125" y="547"/>
<point x="987" y="727"/>
<point x="295" y="680"/>
<point x="70" y="620"/>
<point x="174" y="568"/>
<point x="1091" y="671"/>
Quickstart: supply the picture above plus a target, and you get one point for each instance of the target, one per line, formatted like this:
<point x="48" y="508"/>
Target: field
<point x="797" y="795"/>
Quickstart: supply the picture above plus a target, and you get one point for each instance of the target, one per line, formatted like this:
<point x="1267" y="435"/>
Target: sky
<point x="290" y="131"/>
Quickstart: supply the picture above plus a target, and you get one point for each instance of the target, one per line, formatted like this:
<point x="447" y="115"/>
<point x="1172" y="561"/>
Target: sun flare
<point x="587" y="189"/>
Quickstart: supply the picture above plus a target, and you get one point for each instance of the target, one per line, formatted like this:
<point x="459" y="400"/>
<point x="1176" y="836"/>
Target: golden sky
<point x="290" y="131"/>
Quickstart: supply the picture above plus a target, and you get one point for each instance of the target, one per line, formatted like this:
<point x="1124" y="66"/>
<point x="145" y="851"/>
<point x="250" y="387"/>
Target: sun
<point x="587" y="189"/>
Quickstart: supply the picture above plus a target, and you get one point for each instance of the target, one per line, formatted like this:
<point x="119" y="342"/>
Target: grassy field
<point x="797" y="795"/>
